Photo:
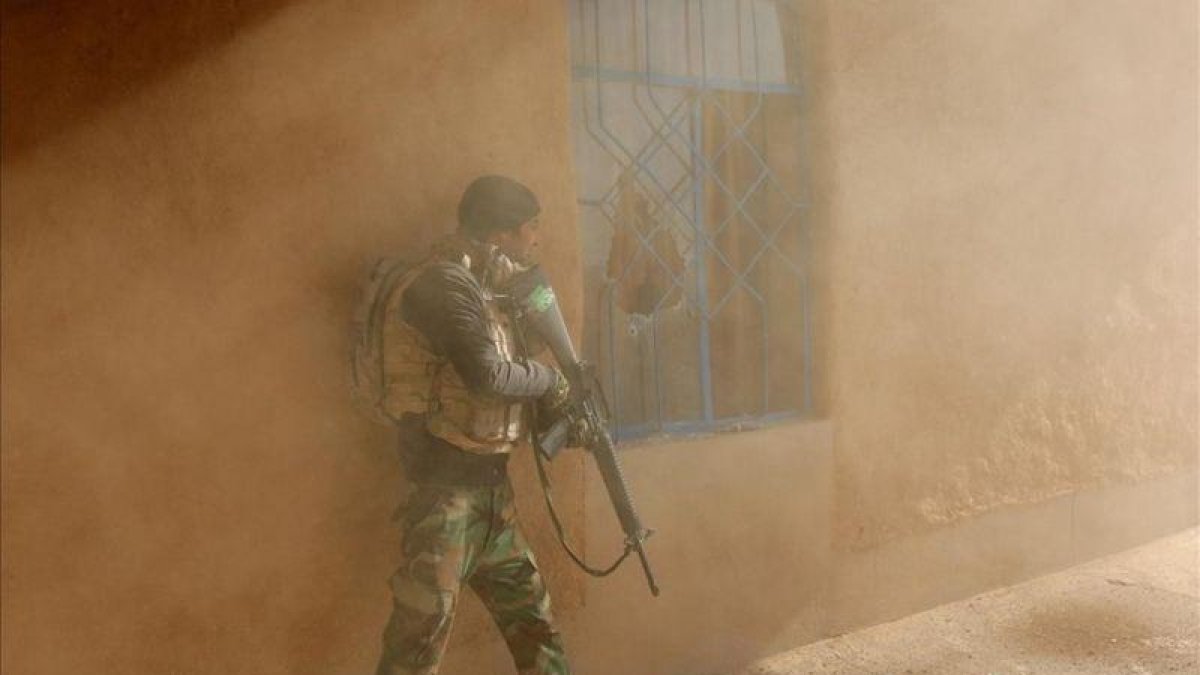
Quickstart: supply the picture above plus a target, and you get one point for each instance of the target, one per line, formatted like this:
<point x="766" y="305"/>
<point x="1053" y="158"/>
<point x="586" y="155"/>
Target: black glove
<point x="555" y="403"/>
<point x="554" y="406"/>
<point x="581" y="434"/>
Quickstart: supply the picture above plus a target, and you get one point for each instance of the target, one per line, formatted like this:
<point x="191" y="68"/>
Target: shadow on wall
<point x="187" y="210"/>
<point x="63" y="61"/>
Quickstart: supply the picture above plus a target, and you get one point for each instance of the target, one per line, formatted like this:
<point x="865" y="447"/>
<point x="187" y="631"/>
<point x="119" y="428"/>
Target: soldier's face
<point x="520" y="244"/>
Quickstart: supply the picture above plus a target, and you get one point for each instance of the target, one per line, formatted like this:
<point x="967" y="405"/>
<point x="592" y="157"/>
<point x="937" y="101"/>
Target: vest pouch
<point x="475" y="423"/>
<point x="410" y="367"/>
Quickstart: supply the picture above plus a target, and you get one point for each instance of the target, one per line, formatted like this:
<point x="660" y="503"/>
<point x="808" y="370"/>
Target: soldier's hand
<point x="581" y="433"/>
<point x="554" y="404"/>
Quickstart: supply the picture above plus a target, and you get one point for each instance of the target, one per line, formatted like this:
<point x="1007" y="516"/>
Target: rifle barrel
<point x="618" y="492"/>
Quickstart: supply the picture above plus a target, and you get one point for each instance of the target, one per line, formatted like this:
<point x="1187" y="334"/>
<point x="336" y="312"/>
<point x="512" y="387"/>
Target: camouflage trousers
<point x="455" y="535"/>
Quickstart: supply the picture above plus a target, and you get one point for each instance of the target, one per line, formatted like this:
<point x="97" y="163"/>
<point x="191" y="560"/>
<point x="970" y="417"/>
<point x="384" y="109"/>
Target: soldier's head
<point x="500" y="211"/>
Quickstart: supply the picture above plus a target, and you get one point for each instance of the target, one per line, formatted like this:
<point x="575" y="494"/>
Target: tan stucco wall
<point x="1008" y="201"/>
<point x="189" y="197"/>
<point x="741" y="551"/>
<point x="1005" y="220"/>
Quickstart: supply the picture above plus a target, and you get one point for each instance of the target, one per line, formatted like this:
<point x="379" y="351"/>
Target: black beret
<point x="492" y="203"/>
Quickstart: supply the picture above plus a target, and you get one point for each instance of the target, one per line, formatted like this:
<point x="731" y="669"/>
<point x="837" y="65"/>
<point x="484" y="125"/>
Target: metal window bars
<point x="687" y="151"/>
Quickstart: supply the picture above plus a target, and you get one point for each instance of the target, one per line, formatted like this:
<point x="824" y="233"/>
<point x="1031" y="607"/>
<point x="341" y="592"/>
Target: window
<point x="689" y="161"/>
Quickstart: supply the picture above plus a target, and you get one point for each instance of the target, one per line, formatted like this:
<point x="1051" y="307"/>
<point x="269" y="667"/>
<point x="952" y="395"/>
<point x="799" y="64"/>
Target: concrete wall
<point x="1005" y="219"/>
<point x="1009" y="199"/>
<point x="190" y="194"/>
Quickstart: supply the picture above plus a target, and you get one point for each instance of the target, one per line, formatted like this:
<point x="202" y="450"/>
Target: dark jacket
<point x="446" y="304"/>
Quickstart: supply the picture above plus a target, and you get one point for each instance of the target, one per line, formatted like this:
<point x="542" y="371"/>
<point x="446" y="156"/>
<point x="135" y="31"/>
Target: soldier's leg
<point x="509" y="583"/>
<point x="442" y="530"/>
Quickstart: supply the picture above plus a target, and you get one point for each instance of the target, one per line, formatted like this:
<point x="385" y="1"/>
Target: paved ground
<point x="1134" y="612"/>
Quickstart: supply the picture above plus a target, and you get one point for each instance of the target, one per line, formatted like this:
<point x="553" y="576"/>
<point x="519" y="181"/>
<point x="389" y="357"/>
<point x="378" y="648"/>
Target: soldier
<point x="458" y="387"/>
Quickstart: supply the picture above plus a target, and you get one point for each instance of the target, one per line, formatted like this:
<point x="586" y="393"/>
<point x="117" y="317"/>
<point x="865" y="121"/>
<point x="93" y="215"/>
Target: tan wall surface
<point x="1006" y="219"/>
<point x="189" y="195"/>
<point x="1010" y="198"/>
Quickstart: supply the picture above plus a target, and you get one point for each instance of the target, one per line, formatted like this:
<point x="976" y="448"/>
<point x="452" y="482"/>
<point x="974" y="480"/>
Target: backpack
<point x="366" y="337"/>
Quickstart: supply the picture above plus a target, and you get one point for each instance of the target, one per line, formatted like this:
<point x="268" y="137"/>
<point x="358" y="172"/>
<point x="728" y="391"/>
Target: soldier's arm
<point x="446" y="304"/>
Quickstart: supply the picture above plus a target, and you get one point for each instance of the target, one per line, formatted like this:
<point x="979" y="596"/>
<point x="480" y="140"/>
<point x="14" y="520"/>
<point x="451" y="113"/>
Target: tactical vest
<point x="416" y="379"/>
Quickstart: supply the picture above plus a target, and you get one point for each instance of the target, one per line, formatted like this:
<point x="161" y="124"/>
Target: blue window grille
<point x="688" y="152"/>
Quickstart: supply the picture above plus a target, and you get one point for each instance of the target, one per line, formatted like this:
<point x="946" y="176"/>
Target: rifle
<point x="536" y="308"/>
